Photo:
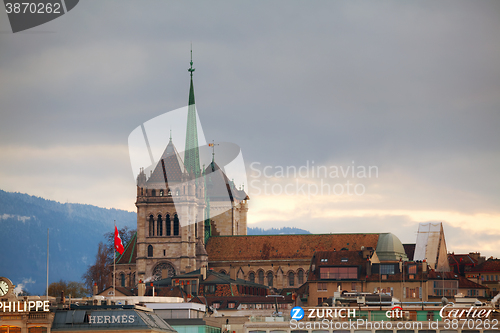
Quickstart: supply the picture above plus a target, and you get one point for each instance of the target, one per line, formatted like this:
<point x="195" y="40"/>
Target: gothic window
<point x="161" y="193"/>
<point x="270" y="279"/>
<point x="176" y="225"/>
<point x="167" y="225"/>
<point x="151" y="226"/>
<point x="122" y="280"/>
<point x="159" y="225"/>
<point x="291" y="279"/>
<point x="163" y="270"/>
<point x="153" y="193"/>
<point x="150" y="250"/>
<point x="251" y="277"/>
<point x="300" y="276"/>
<point x="261" y="277"/>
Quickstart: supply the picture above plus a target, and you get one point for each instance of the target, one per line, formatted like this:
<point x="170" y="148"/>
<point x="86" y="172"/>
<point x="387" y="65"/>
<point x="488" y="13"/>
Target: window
<point x="167" y="225"/>
<point x="338" y="273"/>
<point x="261" y="277"/>
<point x="161" y="193"/>
<point x="412" y="269"/>
<point x="150" y="250"/>
<point x="251" y="277"/>
<point x="176" y="225"/>
<point x="344" y="260"/>
<point x="231" y="305"/>
<point x="291" y="279"/>
<point x="270" y="279"/>
<point x="216" y="305"/>
<point x="300" y="277"/>
<point x="354" y="286"/>
<point x="387" y="269"/>
<point x="159" y="225"/>
<point x="324" y="260"/>
<point x="322" y="286"/>
<point x="122" y="280"/>
<point x="151" y="226"/>
<point x="153" y="193"/>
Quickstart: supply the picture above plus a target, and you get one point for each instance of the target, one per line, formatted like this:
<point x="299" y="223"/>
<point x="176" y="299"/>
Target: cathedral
<point x="191" y="217"/>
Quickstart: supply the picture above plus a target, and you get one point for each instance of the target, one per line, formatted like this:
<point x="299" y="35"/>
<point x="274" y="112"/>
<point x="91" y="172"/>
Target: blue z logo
<point x="297" y="313"/>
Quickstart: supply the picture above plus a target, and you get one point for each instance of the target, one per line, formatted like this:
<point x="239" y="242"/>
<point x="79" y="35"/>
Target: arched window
<point x="223" y="271"/>
<point x="159" y="225"/>
<point x="151" y="226"/>
<point x="153" y="193"/>
<point x="300" y="275"/>
<point x="270" y="279"/>
<point x="251" y="277"/>
<point x="176" y="225"/>
<point x="177" y="192"/>
<point x="122" y="280"/>
<point x="167" y="225"/>
<point x="150" y="250"/>
<point x="291" y="279"/>
<point x="161" y="193"/>
<point x="261" y="277"/>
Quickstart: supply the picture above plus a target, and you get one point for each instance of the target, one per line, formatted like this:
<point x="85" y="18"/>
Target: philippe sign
<point x="27" y="306"/>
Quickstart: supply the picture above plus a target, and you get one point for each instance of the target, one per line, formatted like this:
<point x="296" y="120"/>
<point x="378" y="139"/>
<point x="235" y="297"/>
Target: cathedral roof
<point x="269" y="247"/>
<point x="174" y="167"/>
<point x="219" y="187"/>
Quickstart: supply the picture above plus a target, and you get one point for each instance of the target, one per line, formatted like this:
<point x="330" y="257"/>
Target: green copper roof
<point x="191" y="153"/>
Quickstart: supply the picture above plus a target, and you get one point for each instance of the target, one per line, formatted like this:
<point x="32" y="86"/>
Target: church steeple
<point x="191" y="154"/>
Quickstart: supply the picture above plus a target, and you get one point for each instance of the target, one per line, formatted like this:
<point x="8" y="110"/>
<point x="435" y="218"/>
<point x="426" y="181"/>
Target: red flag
<point x="118" y="242"/>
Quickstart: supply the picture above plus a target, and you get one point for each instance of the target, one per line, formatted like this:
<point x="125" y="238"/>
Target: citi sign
<point x="395" y="312"/>
<point x="298" y="313"/>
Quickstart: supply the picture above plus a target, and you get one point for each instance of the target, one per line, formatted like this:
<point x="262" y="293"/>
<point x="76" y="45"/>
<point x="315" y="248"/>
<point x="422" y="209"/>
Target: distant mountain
<point x="274" y="231"/>
<point x="75" y="231"/>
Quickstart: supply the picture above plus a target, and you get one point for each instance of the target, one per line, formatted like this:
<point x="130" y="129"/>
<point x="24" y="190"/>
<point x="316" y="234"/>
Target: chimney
<point x="368" y="267"/>
<point x="203" y="270"/>
<point x="424" y="266"/>
<point x="141" y="288"/>
<point x="95" y="290"/>
<point x="63" y="300"/>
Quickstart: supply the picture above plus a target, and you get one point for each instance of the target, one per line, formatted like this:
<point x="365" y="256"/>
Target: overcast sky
<point x="411" y="89"/>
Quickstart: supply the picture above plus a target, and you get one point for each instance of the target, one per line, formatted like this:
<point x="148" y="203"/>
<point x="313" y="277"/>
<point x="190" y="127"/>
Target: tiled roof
<point x="130" y="253"/>
<point x="461" y="259"/>
<point x="490" y="265"/>
<point x="269" y="247"/>
<point x="468" y="284"/>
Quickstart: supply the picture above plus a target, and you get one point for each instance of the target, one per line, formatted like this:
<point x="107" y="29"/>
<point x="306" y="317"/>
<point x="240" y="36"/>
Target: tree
<point x="99" y="272"/>
<point x="73" y="288"/>
<point x="126" y="235"/>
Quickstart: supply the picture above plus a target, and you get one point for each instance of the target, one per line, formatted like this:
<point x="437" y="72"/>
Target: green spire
<point x="191" y="154"/>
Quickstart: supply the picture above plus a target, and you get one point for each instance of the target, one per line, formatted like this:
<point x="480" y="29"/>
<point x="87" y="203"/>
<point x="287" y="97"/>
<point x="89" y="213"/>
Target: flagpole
<point x="114" y="262"/>
<point x="47" y="263"/>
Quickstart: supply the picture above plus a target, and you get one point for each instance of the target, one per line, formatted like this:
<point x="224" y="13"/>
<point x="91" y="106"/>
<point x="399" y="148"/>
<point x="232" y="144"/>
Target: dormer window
<point x="324" y="260"/>
<point x="344" y="260"/>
